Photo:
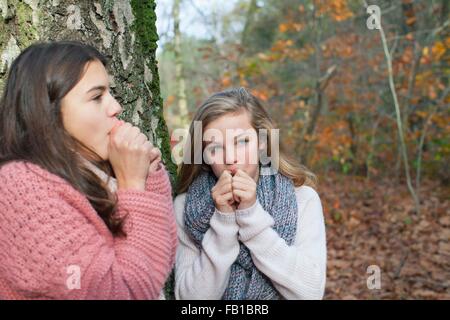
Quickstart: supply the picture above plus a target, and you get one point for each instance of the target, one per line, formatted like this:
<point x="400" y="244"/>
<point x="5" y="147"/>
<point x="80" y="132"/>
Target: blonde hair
<point x="235" y="101"/>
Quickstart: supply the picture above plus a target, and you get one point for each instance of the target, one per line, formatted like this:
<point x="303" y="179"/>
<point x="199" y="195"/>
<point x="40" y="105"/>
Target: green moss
<point x="146" y="35"/>
<point x="28" y="33"/>
<point x="4" y="37"/>
<point x="145" y="24"/>
<point x="145" y="29"/>
<point x="3" y="32"/>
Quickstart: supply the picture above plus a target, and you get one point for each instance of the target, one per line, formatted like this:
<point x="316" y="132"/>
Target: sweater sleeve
<point x="204" y="273"/>
<point x="58" y="247"/>
<point x="159" y="183"/>
<point x="297" y="271"/>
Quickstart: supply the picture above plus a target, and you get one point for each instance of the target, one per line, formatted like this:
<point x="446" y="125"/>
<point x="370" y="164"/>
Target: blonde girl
<point x="246" y="230"/>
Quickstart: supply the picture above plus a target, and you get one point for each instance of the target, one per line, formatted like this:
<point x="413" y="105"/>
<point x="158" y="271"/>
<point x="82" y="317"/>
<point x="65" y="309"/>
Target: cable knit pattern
<point x="46" y="226"/>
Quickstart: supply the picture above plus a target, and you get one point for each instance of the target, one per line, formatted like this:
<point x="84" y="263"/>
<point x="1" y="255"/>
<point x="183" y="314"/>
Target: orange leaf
<point x="260" y="95"/>
<point x="283" y="27"/>
<point x="170" y="99"/>
<point x="226" y="81"/>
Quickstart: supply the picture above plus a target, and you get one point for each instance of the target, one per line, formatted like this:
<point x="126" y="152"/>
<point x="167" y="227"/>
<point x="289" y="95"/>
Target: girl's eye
<point x="214" y="150"/>
<point x="97" y="98"/>
<point x="243" y="141"/>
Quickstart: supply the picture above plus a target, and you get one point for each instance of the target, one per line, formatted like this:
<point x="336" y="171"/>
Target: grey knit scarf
<point x="276" y="193"/>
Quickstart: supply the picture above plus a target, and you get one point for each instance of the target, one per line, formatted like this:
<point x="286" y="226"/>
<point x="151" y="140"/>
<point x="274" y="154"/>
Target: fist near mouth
<point x="233" y="192"/>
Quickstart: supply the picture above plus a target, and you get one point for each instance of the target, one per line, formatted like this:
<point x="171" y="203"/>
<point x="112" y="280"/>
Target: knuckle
<point x="119" y="143"/>
<point x="134" y="147"/>
<point x="143" y="149"/>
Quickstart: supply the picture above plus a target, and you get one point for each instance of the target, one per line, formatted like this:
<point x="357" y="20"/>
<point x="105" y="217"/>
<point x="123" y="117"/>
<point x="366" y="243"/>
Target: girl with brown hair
<point x="85" y="203"/>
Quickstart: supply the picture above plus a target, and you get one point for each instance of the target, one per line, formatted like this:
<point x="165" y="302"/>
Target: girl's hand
<point x="129" y="155"/>
<point x="244" y="189"/>
<point x="155" y="160"/>
<point x="222" y="193"/>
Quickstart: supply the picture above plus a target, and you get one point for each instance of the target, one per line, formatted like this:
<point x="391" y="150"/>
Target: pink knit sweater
<point x="50" y="234"/>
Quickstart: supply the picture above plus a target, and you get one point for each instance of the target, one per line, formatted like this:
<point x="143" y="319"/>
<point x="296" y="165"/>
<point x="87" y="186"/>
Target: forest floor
<point x="374" y="223"/>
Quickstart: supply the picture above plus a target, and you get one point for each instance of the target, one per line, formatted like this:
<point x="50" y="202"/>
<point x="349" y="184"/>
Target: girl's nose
<point x="115" y="108"/>
<point x="230" y="155"/>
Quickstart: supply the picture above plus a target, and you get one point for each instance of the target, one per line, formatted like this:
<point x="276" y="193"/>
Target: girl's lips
<point x="116" y="122"/>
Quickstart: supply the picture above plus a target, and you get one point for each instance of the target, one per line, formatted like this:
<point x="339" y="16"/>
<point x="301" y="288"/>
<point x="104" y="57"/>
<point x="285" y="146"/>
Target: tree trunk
<point x="253" y="6"/>
<point x="123" y="30"/>
<point x="403" y="149"/>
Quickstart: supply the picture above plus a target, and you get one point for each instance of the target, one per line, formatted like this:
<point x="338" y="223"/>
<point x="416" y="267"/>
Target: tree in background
<point x="324" y="77"/>
<point x="179" y="76"/>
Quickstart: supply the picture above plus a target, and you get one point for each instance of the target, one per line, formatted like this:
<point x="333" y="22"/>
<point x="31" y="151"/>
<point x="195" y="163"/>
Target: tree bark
<point x="123" y="30"/>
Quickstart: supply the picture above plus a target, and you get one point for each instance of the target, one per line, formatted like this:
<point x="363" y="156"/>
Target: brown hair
<point x="31" y="125"/>
<point x="234" y="101"/>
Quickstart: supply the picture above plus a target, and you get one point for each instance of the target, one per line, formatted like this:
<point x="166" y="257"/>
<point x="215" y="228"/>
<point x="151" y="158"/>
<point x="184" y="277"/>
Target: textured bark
<point x="123" y="30"/>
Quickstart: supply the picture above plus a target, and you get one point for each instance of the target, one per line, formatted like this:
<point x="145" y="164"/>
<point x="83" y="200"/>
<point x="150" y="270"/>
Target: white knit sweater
<point x="297" y="271"/>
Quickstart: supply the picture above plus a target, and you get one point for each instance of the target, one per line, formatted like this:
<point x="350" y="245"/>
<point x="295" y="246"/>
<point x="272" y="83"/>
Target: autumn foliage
<point x="323" y="75"/>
